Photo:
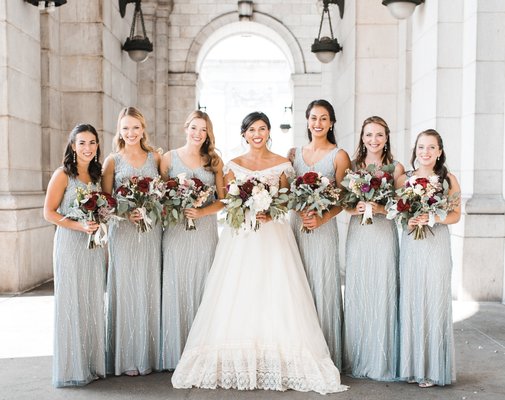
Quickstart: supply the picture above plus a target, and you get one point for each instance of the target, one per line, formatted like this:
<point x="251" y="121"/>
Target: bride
<point x="257" y="326"/>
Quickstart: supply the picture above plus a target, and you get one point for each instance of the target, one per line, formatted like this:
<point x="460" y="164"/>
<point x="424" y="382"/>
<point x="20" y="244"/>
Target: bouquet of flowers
<point x="372" y="184"/>
<point x="246" y="198"/>
<point x="91" y="205"/>
<point x="190" y="193"/>
<point x="143" y="194"/>
<point x="422" y="196"/>
<point x="313" y="192"/>
<point x="171" y="203"/>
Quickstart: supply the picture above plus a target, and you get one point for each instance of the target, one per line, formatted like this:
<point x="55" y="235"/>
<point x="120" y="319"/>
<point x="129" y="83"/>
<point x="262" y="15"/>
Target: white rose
<point x="325" y="181"/>
<point x="233" y="189"/>
<point x="273" y="190"/>
<point x="262" y="201"/>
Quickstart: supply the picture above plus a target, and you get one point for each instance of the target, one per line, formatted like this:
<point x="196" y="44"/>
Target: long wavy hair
<point x="251" y="119"/>
<point x="361" y="150"/>
<point x="69" y="166"/>
<point x="119" y="142"/>
<point x="208" y="150"/>
<point x="440" y="168"/>
<point x="331" y="112"/>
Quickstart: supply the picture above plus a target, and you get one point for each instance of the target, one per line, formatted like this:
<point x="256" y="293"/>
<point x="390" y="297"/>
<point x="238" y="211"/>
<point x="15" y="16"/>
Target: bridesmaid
<point x="188" y="255"/>
<point x="371" y="279"/>
<point x="426" y="335"/>
<point x="79" y="273"/>
<point x="134" y="274"/>
<point x="319" y="248"/>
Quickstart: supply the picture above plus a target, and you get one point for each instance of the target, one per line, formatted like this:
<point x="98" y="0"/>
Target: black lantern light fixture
<point x="286" y="120"/>
<point x="401" y="9"/>
<point x="137" y="44"/>
<point x="245" y="10"/>
<point x="326" y="47"/>
<point x="43" y="5"/>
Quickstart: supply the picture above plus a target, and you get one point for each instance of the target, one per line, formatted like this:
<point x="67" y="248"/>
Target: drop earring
<point x="74" y="157"/>
<point x="96" y="158"/>
<point x="385" y="147"/>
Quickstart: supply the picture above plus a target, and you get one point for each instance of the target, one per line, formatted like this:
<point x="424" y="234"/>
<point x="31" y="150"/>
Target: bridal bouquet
<point x="91" y="205"/>
<point x="190" y="193"/>
<point x="246" y="198"/>
<point x="171" y="202"/>
<point x="372" y="184"/>
<point x="422" y="196"/>
<point x="143" y="194"/>
<point x="313" y="192"/>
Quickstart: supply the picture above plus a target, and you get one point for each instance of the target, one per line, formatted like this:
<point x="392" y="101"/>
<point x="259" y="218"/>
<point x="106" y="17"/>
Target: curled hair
<point x="69" y="166"/>
<point x="119" y="142"/>
<point x="361" y="150"/>
<point x="440" y="168"/>
<point x="331" y="112"/>
<point x="208" y="152"/>
<point x="251" y="119"/>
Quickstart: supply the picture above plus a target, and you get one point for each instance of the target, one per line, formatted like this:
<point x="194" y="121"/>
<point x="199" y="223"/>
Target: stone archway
<point x="182" y="93"/>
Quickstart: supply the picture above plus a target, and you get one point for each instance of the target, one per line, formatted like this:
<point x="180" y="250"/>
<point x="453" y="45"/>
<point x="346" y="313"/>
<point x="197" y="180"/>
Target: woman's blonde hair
<point x="119" y="142"/>
<point x="208" y="152"/>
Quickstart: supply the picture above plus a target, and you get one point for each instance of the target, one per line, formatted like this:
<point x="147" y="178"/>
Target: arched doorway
<point x="240" y="74"/>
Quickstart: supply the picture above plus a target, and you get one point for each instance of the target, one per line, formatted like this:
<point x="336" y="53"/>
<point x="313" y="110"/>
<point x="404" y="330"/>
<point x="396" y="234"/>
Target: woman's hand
<point x="419" y="220"/>
<point x="311" y="220"/>
<point x="194" y="213"/>
<point x="263" y="217"/>
<point x="135" y="216"/>
<point x="88" y="227"/>
<point x="376" y="208"/>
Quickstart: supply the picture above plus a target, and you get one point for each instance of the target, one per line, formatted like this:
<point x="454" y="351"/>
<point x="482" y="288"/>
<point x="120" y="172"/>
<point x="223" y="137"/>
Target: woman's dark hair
<point x="70" y="166"/>
<point x="361" y="151"/>
<point x="251" y="119"/>
<point x="440" y="168"/>
<point x="331" y="112"/>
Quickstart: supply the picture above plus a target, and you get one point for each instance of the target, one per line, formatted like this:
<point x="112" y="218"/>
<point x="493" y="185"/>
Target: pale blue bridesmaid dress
<point x="320" y="256"/>
<point x="79" y="318"/>
<point x="187" y="257"/>
<point x="133" y="288"/>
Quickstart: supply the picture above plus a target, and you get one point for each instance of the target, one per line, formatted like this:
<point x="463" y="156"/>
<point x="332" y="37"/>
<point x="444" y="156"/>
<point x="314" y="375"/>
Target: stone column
<point x="482" y="232"/>
<point x="25" y="238"/>
<point x="182" y="100"/>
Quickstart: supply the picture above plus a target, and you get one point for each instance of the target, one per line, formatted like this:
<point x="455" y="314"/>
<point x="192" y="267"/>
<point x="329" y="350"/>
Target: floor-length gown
<point x="133" y="288"/>
<point x="320" y="255"/>
<point x="257" y="325"/>
<point x="426" y="333"/>
<point x="371" y="299"/>
<point x="79" y="288"/>
<point x="187" y="257"/>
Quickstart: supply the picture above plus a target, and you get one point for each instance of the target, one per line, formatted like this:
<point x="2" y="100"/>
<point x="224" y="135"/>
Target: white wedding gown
<point x="257" y="325"/>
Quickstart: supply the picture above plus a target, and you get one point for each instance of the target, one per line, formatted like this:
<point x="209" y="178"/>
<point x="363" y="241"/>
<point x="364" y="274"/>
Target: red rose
<point x="375" y="183"/>
<point x="403" y="206"/>
<point x="143" y="184"/>
<point x="388" y="176"/>
<point x="299" y="181"/>
<point x="198" y="182"/>
<point x="310" y="178"/>
<point x="90" y="205"/>
<point x="171" y="184"/>
<point x="122" y="190"/>
<point x="423" y="182"/>
<point x="111" y="201"/>
<point x="432" y="200"/>
<point x="247" y="187"/>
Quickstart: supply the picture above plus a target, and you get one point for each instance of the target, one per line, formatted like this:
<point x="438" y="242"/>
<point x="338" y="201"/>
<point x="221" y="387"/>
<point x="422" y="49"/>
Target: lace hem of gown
<point x="256" y="367"/>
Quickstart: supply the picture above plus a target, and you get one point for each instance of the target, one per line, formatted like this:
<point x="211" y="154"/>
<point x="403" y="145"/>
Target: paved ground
<point x="26" y="346"/>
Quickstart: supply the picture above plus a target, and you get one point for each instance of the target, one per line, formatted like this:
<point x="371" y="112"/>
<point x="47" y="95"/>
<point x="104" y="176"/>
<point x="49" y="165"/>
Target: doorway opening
<point x="240" y="74"/>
